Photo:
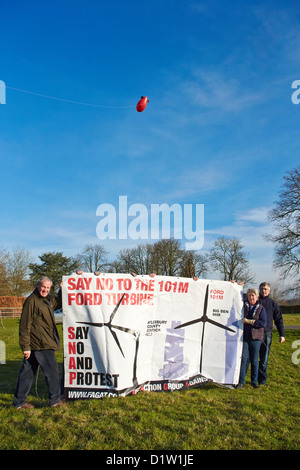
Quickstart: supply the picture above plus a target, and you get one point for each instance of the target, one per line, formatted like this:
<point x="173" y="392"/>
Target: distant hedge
<point x="290" y="308"/>
<point x="11" y="301"/>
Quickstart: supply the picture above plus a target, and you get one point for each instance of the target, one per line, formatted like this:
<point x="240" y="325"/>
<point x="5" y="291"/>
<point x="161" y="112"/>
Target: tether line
<point x="65" y="100"/>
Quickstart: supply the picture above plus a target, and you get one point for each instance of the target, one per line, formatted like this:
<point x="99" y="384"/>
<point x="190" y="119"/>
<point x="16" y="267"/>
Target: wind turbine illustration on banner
<point x="111" y="328"/>
<point x="204" y="319"/>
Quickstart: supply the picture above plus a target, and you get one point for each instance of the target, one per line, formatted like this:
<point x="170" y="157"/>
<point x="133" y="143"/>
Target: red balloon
<point x="142" y="104"/>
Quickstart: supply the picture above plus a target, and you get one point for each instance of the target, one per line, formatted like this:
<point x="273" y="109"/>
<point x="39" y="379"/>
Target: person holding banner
<point x="255" y="320"/>
<point x="273" y="315"/>
<point x="38" y="338"/>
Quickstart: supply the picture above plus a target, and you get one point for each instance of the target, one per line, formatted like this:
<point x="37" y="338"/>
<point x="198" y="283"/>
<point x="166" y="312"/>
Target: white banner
<point x="124" y="334"/>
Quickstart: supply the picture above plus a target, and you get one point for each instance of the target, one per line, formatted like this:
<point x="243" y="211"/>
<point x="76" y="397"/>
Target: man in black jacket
<point x="273" y="315"/>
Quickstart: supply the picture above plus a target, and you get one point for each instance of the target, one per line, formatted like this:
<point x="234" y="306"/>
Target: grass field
<point x="208" y="418"/>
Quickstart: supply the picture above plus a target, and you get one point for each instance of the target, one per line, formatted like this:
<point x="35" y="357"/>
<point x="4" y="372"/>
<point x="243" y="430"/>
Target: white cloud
<point x="213" y="89"/>
<point x="250" y="226"/>
<point x="257" y="214"/>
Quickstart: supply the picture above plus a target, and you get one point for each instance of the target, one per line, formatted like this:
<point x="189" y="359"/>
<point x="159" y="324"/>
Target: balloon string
<point x="67" y="101"/>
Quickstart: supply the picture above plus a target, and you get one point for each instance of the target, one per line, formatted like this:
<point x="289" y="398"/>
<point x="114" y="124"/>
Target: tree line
<point x="18" y="272"/>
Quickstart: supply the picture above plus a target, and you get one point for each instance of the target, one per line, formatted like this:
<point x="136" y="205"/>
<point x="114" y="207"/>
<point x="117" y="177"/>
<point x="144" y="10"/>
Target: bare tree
<point x="18" y="271"/>
<point x="228" y="258"/>
<point x="162" y="257"/>
<point x="14" y="272"/>
<point x="167" y="257"/>
<point x="93" y="258"/>
<point x="193" y="264"/>
<point x="126" y="261"/>
<point x="286" y="219"/>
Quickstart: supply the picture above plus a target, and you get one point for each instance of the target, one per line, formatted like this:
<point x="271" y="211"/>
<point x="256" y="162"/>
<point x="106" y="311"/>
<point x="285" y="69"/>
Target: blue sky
<point x="220" y="128"/>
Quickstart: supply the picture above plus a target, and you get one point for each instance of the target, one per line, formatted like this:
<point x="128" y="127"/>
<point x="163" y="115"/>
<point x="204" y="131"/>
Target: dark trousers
<point x="47" y="360"/>
<point x="264" y="357"/>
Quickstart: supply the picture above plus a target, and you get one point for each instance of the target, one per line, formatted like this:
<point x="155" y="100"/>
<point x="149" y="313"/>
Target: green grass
<point x="207" y="418"/>
<point x="291" y="318"/>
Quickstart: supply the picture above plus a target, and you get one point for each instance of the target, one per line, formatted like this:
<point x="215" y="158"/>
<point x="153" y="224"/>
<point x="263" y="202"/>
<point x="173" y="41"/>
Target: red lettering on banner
<point x="86" y="298"/>
<point x="71" y="283"/>
<point x="183" y="287"/>
<point x="129" y="299"/>
<point x="124" y="284"/>
<point x="72" y="377"/>
<point x="145" y="284"/>
<point x="81" y="284"/>
<point x="216" y="294"/>
<point x="71" y="331"/>
<point x="103" y="284"/>
<point x="169" y="286"/>
<point x="72" y="363"/>
<point x="72" y="348"/>
<point x="84" y="283"/>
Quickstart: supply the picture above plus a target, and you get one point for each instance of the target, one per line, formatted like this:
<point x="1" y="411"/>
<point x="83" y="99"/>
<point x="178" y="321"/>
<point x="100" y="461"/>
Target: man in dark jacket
<point x="38" y="338"/>
<point x="273" y="315"/>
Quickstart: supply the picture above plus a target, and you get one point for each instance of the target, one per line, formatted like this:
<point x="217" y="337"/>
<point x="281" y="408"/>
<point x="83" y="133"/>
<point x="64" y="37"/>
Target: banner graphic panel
<point x="124" y="334"/>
